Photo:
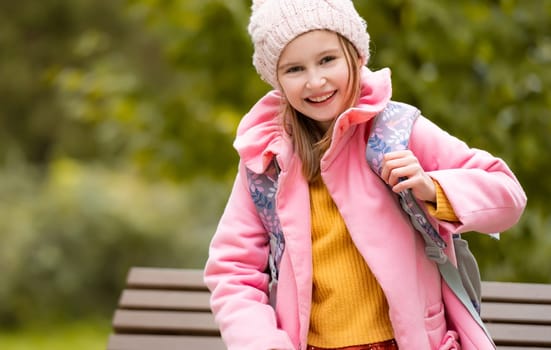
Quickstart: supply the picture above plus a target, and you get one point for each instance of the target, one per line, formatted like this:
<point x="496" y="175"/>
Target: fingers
<point x="397" y="165"/>
<point x="413" y="182"/>
<point x="401" y="170"/>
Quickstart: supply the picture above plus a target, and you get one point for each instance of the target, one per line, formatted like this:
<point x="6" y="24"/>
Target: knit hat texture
<point x="274" y="23"/>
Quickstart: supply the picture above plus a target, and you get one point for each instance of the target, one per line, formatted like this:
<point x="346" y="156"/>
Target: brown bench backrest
<point x="518" y="315"/>
<point x="168" y="309"/>
<point x="164" y="309"/>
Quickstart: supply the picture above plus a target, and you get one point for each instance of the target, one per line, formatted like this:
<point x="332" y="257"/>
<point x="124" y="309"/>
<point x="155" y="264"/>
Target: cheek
<point x="344" y="76"/>
<point x="294" y="102"/>
<point x="291" y="92"/>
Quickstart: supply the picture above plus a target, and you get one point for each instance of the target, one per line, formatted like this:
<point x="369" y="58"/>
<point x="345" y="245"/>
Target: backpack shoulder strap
<point x="390" y="131"/>
<point x="263" y="188"/>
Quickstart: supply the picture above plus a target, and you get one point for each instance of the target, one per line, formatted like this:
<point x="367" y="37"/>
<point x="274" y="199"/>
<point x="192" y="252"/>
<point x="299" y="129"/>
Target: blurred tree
<point x="171" y="100"/>
<point x="132" y="93"/>
<point x="480" y="70"/>
<point x="39" y="40"/>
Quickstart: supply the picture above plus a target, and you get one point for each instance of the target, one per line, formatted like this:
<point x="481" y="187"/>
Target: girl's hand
<point x="404" y="165"/>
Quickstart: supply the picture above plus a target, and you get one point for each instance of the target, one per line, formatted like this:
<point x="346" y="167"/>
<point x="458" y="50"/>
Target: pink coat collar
<point x="260" y="134"/>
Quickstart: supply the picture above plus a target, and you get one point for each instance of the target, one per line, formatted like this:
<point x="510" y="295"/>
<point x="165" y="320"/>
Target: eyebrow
<point x="321" y="54"/>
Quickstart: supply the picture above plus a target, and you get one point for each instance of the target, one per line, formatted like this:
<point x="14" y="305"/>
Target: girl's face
<point x="313" y="74"/>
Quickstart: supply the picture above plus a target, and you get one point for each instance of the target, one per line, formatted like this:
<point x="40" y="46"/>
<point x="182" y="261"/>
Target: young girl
<point x="353" y="273"/>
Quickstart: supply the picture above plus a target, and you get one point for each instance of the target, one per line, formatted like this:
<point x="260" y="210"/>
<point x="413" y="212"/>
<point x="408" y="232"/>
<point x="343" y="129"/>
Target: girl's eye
<point x="293" y="69"/>
<point x="327" y="59"/>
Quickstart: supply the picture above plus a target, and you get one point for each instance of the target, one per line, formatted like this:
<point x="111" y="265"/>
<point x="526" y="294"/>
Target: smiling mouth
<point x="322" y="98"/>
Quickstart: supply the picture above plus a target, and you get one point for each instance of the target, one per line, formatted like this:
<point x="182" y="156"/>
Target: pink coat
<point x="484" y="193"/>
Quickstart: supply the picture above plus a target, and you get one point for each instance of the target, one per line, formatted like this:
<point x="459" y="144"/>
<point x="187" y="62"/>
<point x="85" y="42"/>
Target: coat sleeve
<point x="484" y="193"/>
<point x="235" y="275"/>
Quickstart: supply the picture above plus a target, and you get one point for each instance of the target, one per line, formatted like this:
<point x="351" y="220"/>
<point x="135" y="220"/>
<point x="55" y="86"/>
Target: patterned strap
<point x="263" y="189"/>
<point x="390" y="132"/>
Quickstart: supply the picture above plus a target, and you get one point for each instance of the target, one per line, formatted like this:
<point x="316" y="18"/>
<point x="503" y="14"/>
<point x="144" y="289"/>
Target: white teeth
<point x="321" y="98"/>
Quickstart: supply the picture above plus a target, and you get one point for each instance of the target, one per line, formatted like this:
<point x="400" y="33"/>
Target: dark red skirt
<point x="384" y="345"/>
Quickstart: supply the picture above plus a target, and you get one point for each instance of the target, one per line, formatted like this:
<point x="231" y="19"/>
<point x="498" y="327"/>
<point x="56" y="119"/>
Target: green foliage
<point x="479" y="69"/>
<point x="117" y="118"/>
<point x="88" y="335"/>
<point x="39" y="39"/>
<point x="166" y="102"/>
<point x="69" y="239"/>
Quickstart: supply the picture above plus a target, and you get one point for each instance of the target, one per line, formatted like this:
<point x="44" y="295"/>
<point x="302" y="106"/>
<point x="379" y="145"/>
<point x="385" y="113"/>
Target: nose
<point x="315" y="81"/>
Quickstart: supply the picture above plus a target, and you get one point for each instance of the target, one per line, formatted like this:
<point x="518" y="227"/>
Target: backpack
<point x="390" y="131"/>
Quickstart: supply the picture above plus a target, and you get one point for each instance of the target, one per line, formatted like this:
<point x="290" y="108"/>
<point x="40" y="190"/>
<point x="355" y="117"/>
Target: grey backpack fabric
<point x="468" y="270"/>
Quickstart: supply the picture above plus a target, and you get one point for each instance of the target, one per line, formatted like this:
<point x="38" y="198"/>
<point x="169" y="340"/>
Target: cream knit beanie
<point x="274" y="23"/>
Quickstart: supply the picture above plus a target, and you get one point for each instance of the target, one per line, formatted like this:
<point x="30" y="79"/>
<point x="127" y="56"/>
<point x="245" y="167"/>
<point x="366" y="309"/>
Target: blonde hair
<point x="309" y="140"/>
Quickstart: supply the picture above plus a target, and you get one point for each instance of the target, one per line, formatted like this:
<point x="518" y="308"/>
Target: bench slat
<point x="147" y="277"/>
<point x="164" y="322"/>
<point x="516" y="292"/>
<point x="163" y="342"/>
<point x="168" y="309"/>
<point x="520" y="334"/>
<point x="516" y="313"/>
<point x="165" y="300"/>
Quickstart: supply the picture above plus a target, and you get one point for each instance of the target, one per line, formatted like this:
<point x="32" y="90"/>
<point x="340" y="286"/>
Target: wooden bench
<point x="168" y="309"/>
<point x="164" y="309"/>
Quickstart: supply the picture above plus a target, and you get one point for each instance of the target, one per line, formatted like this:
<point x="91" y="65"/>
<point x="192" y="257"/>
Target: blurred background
<point x="117" y="119"/>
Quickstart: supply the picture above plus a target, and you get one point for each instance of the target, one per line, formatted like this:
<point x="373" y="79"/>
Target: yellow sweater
<point x="348" y="304"/>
